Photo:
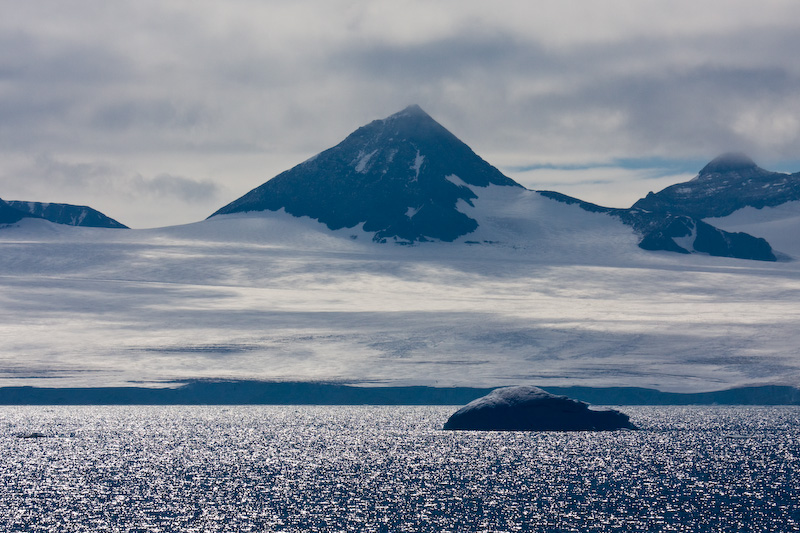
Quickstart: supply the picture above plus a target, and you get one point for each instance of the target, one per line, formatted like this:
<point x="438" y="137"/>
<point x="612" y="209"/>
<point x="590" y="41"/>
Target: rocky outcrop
<point x="70" y="215"/>
<point x="685" y="234"/>
<point x="672" y="220"/>
<point x="728" y="183"/>
<point x="9" y="215"/>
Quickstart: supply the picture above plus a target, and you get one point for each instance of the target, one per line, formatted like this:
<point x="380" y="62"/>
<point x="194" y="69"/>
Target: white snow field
<point x="560" y="296"/>
<point x="779" y="225"/>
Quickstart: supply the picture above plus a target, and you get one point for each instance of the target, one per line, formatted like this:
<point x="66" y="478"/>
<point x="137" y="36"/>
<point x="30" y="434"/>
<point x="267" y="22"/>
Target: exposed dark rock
<point x="71" y="215"/>
<point x="717" y="242"/>
<point x="728" y="183"/>
<point x="660" y="230"/>
<point x="532" y="409"/>
<point x="9" y="215"/>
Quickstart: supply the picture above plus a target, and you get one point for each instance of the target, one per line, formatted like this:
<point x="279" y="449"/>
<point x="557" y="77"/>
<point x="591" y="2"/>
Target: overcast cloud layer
<point x="158" y="113"/>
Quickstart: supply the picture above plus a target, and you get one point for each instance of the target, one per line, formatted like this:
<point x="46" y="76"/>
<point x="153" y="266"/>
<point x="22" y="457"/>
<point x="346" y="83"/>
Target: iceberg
<point x="526" y="408"/>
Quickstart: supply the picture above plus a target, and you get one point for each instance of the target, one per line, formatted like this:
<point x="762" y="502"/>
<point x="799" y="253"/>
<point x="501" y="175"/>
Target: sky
<point x="159" y="113"/>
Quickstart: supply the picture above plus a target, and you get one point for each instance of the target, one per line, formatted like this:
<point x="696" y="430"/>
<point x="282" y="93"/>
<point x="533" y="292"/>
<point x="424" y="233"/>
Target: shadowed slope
<point x="71" y="215"/>
<point x="9" y="215"/>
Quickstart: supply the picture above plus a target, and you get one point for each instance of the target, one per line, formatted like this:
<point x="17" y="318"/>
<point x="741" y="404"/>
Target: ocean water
<point x="270" y="468"/>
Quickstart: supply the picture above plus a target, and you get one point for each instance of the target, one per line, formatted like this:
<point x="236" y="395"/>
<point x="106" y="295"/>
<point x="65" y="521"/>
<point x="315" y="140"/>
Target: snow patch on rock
<point x="455" y="180"/>
<point x="418" y="160"/>
<point x="363" y="161"/>
<point x="687" y="242"/>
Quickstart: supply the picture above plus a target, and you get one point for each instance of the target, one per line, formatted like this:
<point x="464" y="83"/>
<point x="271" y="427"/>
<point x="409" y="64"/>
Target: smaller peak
<point x="728" y="162"/>
<point x="414" y="109"/>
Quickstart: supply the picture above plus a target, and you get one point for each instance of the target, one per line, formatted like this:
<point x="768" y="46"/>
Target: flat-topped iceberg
<point x="526" y="408"/>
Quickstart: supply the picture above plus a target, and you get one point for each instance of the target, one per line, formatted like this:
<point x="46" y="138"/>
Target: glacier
<point x="542" y="293"/>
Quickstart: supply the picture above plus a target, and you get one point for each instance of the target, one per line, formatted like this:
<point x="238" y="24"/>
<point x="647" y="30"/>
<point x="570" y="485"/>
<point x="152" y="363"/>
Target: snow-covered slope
<point x="780" y="225"/>
<point x="666" y="231"/>
<point x="729" y="184"/>
<point x="530" y="223"/>
<point x="682" y="217"/>
<point x="561" y="297"/>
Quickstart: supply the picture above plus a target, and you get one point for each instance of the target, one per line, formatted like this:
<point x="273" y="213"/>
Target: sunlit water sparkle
<point x="265" y="468"/>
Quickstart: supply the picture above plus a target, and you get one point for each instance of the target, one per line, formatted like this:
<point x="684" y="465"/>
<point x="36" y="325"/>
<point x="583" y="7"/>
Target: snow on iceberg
<point x="526" y="408"/>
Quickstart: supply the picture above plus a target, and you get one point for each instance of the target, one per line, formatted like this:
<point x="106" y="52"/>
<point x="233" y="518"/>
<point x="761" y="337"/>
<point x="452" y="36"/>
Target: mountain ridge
<point x="675" y="218"/>
<point x="406" y="178"/>
<point x="402" y="178"/>
<point x="729" y="182"/>
<point x="67" y="214"/>
<point x="227" y="392"/>
<point x="12" y="211"/>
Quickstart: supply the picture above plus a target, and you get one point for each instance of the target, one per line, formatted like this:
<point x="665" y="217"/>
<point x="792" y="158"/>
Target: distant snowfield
<point x="779" y="225"/>
<point x="559" y="297"/>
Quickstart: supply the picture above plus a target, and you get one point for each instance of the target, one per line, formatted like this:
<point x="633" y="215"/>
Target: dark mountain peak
<point x="400" y="176"/>
<point x="412" y="111"/>
<point x="728" y="183"/>
<point x="411" y="125"/>
<point x="728" y="162"/>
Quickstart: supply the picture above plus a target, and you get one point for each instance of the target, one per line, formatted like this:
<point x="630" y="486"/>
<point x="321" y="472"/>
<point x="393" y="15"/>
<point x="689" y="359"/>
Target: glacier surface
<point x="542" y="293"/>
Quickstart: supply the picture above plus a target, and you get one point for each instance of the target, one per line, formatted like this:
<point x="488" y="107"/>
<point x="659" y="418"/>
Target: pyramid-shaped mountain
<point x="401" y="177"/>
<point x="728" y="183"/>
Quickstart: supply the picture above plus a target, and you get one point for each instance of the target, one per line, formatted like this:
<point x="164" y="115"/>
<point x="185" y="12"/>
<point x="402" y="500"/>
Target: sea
<point x="377" y="468"/>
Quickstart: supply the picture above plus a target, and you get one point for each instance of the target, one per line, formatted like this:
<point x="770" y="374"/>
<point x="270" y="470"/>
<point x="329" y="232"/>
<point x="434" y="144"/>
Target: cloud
<point x="609" y="186"/>
<point x="190" y="89"/>
<point x="136" y="198"/>
<point x="148" y="114"/>
<point x="184" y="189"/>
<point x="51" y="171"/>
<point x="54" y="173"/>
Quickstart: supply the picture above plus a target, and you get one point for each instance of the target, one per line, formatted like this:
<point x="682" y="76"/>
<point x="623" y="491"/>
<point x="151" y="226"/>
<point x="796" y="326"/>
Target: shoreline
<point x="204" y="392"/>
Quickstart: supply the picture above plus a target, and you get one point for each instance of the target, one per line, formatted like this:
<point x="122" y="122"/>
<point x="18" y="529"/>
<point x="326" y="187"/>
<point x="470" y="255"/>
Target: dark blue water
<point x="239" y="469"/>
